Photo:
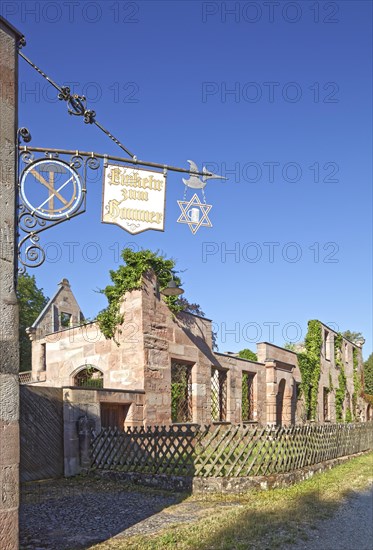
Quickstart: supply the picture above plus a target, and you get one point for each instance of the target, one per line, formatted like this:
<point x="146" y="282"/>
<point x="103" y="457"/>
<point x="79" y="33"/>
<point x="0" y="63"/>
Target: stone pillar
<point x="9" y="353"/>
<point x="271" y="393"/>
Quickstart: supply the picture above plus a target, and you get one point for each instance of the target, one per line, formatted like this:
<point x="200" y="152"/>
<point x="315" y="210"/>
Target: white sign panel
<point x="134" y="198"/>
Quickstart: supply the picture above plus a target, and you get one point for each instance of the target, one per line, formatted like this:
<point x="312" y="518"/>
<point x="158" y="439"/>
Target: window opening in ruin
<point x="326" y="404"/>
<point x="181" y="392"/>
<point x="327" y="345"/>
<point x="43" y="358"/>
<point x="65" y="319"/>
<point x="89" y="377"/>
<point x="218" y="395"/>
<point x="247" y="396"/>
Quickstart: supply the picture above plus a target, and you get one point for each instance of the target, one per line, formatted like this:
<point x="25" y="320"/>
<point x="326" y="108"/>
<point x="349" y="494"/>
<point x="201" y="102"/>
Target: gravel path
<point x="350" y="528"/>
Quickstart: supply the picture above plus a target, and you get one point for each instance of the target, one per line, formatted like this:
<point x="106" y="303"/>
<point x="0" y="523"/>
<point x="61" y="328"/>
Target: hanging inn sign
<point x="52" y="185"/>
<point x="134" y="198"/>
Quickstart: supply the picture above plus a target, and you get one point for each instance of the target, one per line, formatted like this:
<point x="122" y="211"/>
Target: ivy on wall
<point x="367" y="391"/>
<point x="310" y="366"/>
<point x="356" y="379"/>
<point x="349" y="417"/>
<point x="338" y="341"/>
<point x="340" y="393"/>
<point x="179" y="391"/>
<point x="129" y="277"/>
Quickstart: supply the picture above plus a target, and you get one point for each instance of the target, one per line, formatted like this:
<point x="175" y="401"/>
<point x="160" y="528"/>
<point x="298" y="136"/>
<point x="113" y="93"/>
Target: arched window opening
<point x="89" y="377"/>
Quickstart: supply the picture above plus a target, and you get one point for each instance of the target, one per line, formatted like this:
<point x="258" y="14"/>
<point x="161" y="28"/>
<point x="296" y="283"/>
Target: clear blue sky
<point x="297" y="130"/>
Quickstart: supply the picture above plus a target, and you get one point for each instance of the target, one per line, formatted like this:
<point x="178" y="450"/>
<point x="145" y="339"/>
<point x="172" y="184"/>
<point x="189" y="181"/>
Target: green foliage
<point x="340" y="394"/>
<point x="245" y="396"/>
<point x="356" y="379"/>
<point x="178" y="393"/>
<point x="129" y="277"/>
<point x="310" y="367"/>
<point x="348" y="415"/>
<point x="248" y="354"/>
<point x="290" y="346"/>
<point x="31" y="302"/>
<point x="338" y="340"/>
<point x="368" y="375"/>
<point x="90" y="377"/>
<point x="180" y="397"/>
<point x="352" y="336"/>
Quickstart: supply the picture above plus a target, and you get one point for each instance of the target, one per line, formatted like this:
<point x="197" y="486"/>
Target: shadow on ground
<point x="77" y="514"/>
<point x="298" y="525"/>
<point x="74" y="514"/>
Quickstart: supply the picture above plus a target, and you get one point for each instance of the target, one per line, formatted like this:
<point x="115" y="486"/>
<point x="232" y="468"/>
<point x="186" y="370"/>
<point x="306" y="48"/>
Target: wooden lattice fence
<point x="239" y="450"/>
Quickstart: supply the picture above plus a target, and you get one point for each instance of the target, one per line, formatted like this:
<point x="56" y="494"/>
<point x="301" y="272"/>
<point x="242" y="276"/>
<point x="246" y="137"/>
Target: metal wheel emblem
<point x="51" y="189"/>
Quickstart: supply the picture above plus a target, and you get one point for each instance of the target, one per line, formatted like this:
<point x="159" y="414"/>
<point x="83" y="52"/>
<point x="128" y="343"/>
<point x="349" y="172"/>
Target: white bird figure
<point x="195" y="182"/>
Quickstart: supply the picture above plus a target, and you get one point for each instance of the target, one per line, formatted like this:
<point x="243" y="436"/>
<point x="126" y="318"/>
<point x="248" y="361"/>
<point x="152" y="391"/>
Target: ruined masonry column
<point x="9" y="354"/>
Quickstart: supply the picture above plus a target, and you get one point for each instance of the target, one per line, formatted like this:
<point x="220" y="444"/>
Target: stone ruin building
<point x="164" y="369"/>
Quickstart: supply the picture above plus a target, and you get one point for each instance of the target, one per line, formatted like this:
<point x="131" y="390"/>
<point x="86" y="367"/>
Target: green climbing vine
<point x="245" y="397"/>
<point x="356" y="379"/>
<point x="129" y="277"/>
<point x="348" y="417"/>
<point x="178" y="393"/>
<point x="338" y="340"/>
<point x="340" y="392"/>
<point x="310" y="366"/>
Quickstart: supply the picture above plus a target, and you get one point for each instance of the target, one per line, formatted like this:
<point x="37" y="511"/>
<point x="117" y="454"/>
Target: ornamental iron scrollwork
<point x="52" y="188"/>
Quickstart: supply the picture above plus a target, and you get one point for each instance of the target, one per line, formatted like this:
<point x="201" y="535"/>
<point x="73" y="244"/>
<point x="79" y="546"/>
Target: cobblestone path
<point x="72" y="515"/>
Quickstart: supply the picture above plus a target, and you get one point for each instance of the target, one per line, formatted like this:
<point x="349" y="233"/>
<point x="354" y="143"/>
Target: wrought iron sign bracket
<point x="52" y="190"/>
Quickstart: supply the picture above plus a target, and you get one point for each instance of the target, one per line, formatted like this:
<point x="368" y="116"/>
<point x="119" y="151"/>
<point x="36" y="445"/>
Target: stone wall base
<point x="237" y="485"/>
<point x="164" y="482"/>
<point x="231" y="485"/>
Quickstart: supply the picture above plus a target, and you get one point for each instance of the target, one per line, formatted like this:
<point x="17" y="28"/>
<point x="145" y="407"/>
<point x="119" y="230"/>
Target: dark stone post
<point x="9" y="342"/>
<point x="85" y="436"/>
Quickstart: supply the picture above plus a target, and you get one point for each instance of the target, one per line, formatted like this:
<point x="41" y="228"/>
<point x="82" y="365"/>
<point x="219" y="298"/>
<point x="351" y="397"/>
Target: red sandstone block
<point x="9" y="452"/>
<point x="9" y="530"/>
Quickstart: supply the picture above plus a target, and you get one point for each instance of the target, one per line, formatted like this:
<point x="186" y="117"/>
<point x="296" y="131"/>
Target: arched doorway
<point x="369" y="412"/>
<point x="280" y="402"/>
<point x="89" y="377"/>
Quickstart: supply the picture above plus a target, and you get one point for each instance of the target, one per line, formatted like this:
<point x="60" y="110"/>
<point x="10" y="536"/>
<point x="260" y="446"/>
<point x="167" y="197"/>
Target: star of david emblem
<point x="194" y="213"/>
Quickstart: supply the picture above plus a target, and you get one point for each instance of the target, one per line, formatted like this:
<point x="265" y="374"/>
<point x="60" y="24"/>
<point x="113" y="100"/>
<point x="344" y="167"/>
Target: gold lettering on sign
<point x="135" y="195"/>
<point x="134" y="198"/>
<point x="133" y="214"/>
<point x="117" y="177"/>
